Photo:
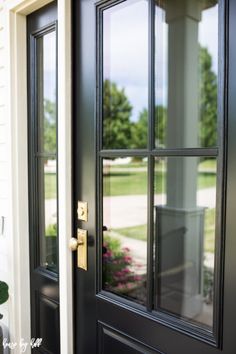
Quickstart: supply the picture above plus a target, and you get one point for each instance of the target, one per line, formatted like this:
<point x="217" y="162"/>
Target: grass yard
<point x="50" y="186"/>
<point x="136" y="232"/>
<point x="209" y="241"/>
<point x="208" y="165"/>
<point x="125" y="183"/>
<point x="131" y="183"/>
<point x="206" y="180"/>
<point x="140" y="232"/>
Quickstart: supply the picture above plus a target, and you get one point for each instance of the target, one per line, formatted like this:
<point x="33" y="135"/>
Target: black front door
<point x="42" y="147"/>
<point x="154" y="141"/>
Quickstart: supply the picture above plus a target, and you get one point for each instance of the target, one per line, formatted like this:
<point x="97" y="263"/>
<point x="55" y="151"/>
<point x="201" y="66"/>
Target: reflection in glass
<point x="186" y="69"/>
<point x="125" y="227"/>
<point x="185" y="200"/>
<point x="47" y="146"/>
<point x="125" y="75"/>
<point x="46" y="46"/>
<point x="47" y="185"/>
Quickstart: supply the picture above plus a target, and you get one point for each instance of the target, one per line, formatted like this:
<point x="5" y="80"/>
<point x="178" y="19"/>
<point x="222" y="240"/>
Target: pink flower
<point x="118" y="274"/>
<point x="126" y="270"/>
<point x="120" y="286"/>
<point x="129" y="285"/>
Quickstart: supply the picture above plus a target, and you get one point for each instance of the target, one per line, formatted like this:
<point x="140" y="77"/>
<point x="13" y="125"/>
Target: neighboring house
<point x="117" y="176"/>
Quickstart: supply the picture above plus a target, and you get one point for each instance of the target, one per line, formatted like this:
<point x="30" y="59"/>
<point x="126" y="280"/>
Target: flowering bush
<point x="118" y="265"/>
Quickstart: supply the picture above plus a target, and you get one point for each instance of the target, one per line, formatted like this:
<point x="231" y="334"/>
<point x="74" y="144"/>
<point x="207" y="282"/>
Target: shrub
<point x="118" y="275"/>
<point x="3" y="293"/>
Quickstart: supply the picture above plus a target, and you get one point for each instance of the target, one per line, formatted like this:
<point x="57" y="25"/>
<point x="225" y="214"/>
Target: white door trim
<point x="16" y="11"/>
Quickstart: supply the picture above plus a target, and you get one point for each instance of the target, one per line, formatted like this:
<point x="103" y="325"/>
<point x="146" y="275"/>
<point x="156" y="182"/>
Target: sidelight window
<point x="44" y="154"/>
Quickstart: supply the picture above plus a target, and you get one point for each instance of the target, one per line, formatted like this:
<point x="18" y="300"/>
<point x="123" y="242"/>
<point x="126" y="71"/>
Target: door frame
<point x="16" y="12"/>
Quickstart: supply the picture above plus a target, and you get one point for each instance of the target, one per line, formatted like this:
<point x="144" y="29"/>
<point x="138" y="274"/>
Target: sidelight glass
<point x="125" y="75"/>
<point x="47" y="214"/>
<point x="46" y="150"/>
<point x="125" y="227"/>
<point x="186" y="74"/>
<point x="184" y="214"/>
<point x="46" y="65"/>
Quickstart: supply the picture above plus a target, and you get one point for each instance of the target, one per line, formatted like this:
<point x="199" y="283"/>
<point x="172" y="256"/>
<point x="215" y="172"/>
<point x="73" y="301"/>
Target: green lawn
<point x="130" y="165"/>
<point x="136" y="232"/>
<point x="206" y="180"/>
<point x="125" y="183"/>
<point x="130" y="183"/>
<point x="209" y="165"/>
<point x="140" y="232"/>
<point x="135" y="182"/>
<point x="209" y="241"/>
<point x="50" y="186"/>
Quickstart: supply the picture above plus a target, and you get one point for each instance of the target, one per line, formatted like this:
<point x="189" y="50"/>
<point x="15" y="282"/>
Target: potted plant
<point x="3" y="298"/>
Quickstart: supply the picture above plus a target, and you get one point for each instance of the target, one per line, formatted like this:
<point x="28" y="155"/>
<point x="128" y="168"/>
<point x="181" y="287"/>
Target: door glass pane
<point x="186" y="73"/>
<point x="46" y="131"/>
<point x="125" y="75"/>
<point x="184" y="214"/>
<point x="125" y="227"/>
<point x="47" y="203"/>
<point x="46" y="57"/>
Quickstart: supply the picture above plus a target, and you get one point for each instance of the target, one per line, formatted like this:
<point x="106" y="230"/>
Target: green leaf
<point x="3" y="292"/>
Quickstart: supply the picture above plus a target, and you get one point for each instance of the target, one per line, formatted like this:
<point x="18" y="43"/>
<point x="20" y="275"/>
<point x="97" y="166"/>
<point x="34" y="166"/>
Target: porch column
<point x="180" y="223"/>
<point x="182" y="17"/>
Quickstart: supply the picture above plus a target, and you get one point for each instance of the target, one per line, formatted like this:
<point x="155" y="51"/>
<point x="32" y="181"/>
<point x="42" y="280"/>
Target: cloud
<point x="126" y="49"/>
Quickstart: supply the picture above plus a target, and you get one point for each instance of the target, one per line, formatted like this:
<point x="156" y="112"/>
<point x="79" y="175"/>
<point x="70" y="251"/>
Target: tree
<point x="208" y="100"/>
<point x="50" y="142"/>
<point x="160" y="125"/>
<point x="140" y="128"/>
<point x="208" y="110"/>
<point x="116" y="117"/>
<point x="139" y="131"/>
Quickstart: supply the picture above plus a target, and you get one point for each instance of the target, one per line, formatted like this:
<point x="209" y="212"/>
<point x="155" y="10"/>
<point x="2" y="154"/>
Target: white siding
<point x="2" y="72"/>
<point x="4" y="164"/>
<point x="2" y="114"/>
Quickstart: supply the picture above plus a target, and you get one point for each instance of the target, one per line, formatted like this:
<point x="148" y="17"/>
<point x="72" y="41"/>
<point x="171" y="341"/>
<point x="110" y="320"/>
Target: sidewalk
<point x="131" y="210"/>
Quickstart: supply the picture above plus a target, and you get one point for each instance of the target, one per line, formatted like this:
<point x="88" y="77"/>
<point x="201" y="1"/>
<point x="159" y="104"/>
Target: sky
<point x="49" y="66"/>
<point x="126" y="49"/>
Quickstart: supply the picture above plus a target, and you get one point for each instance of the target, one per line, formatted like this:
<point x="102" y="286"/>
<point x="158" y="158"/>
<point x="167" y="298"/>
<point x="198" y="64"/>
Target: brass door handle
<point x="74" y="243"/>
<point x="79" y="244"/>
